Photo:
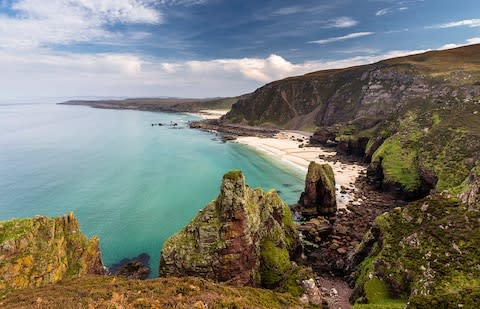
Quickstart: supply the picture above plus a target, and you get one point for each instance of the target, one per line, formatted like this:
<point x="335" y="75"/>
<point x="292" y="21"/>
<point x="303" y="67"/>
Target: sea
<point x="128" y="182"/>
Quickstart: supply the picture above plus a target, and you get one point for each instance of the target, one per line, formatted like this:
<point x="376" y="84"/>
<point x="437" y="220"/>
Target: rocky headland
<point x="408" y="239"/>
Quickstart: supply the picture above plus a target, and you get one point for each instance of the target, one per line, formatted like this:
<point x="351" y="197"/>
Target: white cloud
<point x="383" y="12"/>
<point x="467" y="42"/>
<point x="341" y="38"/>
<point x="461" y="23"/>
<point x="391" y="10"/>
<point x="183" y="2"/>
<point x="343" y="22"/>
<point x="38" y="22"/>
<point x="54" y="74"/>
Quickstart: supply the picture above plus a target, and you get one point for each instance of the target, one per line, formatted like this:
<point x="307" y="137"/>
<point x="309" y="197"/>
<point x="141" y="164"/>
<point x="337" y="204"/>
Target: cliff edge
<point x="39" y="251"/>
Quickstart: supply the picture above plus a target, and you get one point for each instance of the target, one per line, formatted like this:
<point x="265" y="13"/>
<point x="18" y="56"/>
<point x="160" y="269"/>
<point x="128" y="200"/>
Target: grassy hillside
<point x="171" y="292"/>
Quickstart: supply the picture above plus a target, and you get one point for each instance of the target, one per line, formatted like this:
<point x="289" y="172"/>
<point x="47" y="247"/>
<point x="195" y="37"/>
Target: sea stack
<point x="318" y="198"/>
<point x="244" y="237"/>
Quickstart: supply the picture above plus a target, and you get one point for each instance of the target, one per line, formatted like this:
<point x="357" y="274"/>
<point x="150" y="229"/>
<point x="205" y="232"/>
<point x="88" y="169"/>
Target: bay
<point x="129" y="183"/>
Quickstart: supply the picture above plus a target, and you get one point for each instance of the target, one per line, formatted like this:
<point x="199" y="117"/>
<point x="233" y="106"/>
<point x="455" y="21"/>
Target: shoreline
<point x="285" y="147"/>
<point x="205" y="114"/>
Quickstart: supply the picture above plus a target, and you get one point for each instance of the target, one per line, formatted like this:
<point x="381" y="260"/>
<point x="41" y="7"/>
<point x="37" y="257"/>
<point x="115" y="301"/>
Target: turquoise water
<point x="131" y="184"/>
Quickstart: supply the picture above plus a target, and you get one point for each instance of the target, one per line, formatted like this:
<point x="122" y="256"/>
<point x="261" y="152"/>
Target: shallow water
<point x="131" y="184"/>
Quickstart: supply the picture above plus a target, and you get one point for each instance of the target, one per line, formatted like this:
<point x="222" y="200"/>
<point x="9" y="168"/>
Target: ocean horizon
<point x="130" y="183"/>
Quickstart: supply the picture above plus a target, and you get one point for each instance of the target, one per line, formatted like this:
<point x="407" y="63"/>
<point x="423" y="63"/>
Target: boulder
<point x="244" y="237"/>
<point x="318" y="198"/>
<point x="323" y="137"/>
<point x="471" y="195"/>
<point x="135" y="268"/>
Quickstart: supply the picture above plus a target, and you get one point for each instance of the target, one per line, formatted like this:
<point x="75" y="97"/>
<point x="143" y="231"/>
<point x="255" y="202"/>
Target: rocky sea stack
<point x="244" y="237"/>
<point x="39" y="251"/>
<point x="319" y="198"/>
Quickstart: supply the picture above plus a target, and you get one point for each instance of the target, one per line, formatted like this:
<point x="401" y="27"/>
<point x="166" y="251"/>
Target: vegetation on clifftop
<point x="35" y="252"/>
<point x="171" y="292"/>
<point x="426" y="253"/>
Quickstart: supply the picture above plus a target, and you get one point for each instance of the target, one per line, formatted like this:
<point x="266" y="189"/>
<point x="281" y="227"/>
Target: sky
<point x="208" y="48"/>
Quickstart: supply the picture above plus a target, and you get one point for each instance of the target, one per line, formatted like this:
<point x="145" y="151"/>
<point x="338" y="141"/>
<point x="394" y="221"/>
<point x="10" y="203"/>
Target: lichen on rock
<point x="244" y="237"/>
<point x="35" y="252"/>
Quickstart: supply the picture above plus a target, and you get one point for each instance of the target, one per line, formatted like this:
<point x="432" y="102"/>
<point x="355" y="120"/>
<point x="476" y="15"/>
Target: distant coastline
<point x="178" y="105"/>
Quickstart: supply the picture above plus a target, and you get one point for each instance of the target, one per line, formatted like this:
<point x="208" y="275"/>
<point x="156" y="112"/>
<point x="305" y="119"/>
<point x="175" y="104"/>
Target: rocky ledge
<point x="233" y="130"/>
<point x="39" y="251"/>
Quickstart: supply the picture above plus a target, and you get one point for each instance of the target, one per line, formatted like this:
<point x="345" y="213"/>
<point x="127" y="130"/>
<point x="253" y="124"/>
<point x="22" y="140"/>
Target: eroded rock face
<point x="472" y="195"/>
<point x="244" y="237"/>
<point x="318" y="198"/>
<point x="35" y="252"/>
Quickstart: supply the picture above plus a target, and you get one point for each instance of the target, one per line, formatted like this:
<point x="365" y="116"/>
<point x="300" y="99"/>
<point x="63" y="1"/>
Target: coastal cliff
<point x="244" y="237"/>
<point x="40" y="251"/>
<point x="415" y="119"/>
<point x="422" y="255"/>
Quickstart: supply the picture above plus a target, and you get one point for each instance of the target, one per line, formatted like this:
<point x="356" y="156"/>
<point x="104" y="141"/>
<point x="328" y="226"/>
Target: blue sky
<point x="206" y="48"/>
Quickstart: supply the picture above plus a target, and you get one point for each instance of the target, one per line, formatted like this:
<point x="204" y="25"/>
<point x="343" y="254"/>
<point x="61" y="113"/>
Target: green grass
<point x="275" y="263"/>
<point x="233" y="175"/>
<point x="14" y="229"/>
<point x="430" y="247"/>
<point x="399" y="164"/>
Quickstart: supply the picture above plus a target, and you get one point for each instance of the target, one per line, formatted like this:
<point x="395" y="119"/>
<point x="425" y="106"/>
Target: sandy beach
<point x="210" y="113"/>
<point x="285" y="147"/>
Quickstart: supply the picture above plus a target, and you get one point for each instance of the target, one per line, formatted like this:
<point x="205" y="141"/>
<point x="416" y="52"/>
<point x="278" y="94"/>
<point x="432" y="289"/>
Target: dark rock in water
<point x="287" y="185"/>
<point x="135" y="268"/>
<point x="318" y="198"/>
<point x="160" y="124"/>
<point x="226" y="138"/>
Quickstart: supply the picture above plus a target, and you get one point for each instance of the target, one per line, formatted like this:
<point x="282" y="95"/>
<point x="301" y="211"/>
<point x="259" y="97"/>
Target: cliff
<point x="244" y="237"/>
<point x="415" y="118"/>
<point x="422" y="255"/>
<point x="39" y="251"/>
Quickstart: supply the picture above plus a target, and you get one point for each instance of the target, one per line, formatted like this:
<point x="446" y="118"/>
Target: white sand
<point x="210" y="113"/>
<point x="285" y="147"/>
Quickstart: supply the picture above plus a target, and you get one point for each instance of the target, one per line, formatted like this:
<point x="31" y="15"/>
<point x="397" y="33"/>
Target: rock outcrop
<point x="39" y="251"/>
<point x="471" y="195"/>
<point x="318" y="198"/>
<point x="134" y="268"/>
<point x="244" y="237"/>
<point x="424" y="254"/>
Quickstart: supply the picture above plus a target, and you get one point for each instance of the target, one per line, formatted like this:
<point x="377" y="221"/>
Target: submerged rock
<point x="244" y="237"/>
<point x="318" y="198"/>
<point x="39" y="251"/>
<point x="135" y="268"/>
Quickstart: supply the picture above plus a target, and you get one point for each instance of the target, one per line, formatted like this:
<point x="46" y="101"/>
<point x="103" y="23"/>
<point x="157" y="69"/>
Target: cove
<point x="129" y="183"/>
